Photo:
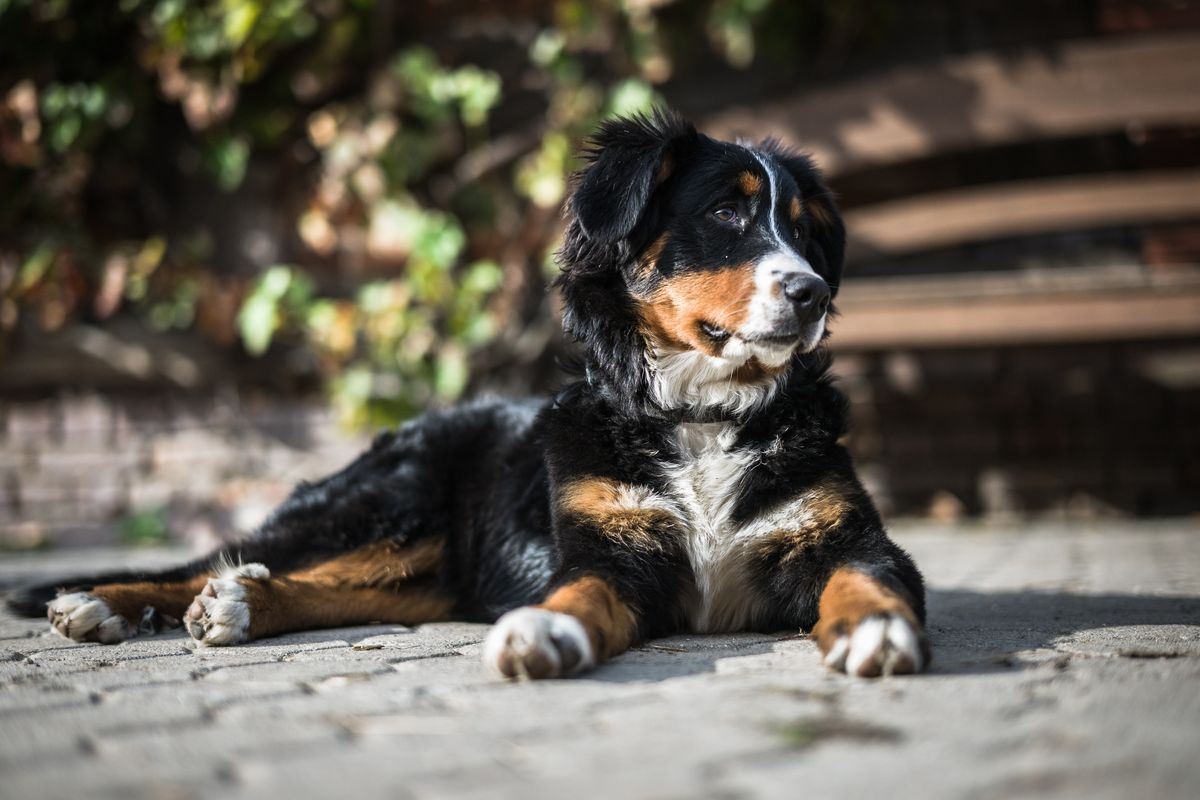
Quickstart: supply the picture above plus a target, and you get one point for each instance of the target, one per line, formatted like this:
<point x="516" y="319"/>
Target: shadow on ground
<point x="972" y="631"/>
<point x="976" y="631"/>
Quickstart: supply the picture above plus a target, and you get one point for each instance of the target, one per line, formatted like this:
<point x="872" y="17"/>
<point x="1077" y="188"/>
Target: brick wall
<point x="75" y="469"/>
<point x="1069" y="431"/>
<point x="1080" y="430"/>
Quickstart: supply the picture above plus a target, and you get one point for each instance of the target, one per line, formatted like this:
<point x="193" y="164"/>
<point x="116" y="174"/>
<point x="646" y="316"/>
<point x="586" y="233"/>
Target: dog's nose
<point x="808" y="293"/>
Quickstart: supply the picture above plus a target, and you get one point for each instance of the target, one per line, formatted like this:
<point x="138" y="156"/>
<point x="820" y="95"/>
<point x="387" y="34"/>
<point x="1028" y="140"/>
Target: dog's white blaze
<point x="773" y="209"/>
<point x="767" y="305"/>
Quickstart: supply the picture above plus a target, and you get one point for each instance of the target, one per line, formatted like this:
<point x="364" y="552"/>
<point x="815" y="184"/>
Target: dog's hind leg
<point x="382" y="582"/>
<point x="111" y="613"/>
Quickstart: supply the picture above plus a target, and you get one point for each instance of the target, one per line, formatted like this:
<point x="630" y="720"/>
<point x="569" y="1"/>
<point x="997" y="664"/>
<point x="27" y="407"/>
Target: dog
<point x="690" y="480"/>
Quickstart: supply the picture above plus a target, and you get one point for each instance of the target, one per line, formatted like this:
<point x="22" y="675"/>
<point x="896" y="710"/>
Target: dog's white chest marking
<point x="705" y="486"/>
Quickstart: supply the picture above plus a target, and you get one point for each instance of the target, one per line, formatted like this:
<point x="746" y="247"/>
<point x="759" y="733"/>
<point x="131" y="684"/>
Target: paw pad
<point x="535" y="643"/>
<point x="881" y="644"/>
<point x="82" y="617"/>
<point x="220" y="614"/>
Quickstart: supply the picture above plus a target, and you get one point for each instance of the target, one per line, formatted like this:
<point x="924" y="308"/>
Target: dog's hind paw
<point x="82" y="617"/>
<point x="880" y="644"/>
<point x="535" y="643"/>
<point x="220" y="614"/>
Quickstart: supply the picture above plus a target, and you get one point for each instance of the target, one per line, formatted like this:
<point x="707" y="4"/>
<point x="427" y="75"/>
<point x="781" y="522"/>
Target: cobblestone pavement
<point x="1067" y="665"/>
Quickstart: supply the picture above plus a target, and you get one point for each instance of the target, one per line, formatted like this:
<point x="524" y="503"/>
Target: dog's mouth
<point x="715" y="333"/>
<point x="775" y="341"/>
<point x="773" y="347"/>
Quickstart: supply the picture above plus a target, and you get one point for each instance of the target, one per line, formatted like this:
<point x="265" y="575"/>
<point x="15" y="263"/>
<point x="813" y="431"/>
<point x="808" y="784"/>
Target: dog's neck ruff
<point x="695" y="387"/>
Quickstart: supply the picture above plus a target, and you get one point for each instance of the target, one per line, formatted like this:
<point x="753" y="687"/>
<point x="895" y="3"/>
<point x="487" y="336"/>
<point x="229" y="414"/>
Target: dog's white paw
<point x="220" y="614"/>
<point x="82" y="617"/>
<point x="536" y="643"/>
<point x="881" y="644"/>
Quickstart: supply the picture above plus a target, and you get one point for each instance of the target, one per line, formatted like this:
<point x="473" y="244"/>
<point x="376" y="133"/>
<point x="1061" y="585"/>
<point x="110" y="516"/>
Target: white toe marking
<point x="885" y="642"/>
<point x="257" y="572"/>
<point x="80" y="616"/>
<point x="866" y="643"/>
<point x="903" y="641"/>
<point x="112" y="630"/>
<point x="527" y="630"/>
<point x="227" y="614"/>
<point x="836" y="657"/>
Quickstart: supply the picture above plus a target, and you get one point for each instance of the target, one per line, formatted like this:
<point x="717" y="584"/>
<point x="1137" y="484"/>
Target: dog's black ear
<point x="629" y="157"/>
<point x="826" y="249"/>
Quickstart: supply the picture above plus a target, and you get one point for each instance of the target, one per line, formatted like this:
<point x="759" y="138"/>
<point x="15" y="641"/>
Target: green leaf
<point x="257" y="321"/>
<point x="482" y="277"/>
<point x="35" y="267"/>
<point x="452" y="372"/>
<point x="226" y="158"/>
<point x="630" y="97"/>
<point x="274" y="282"/>
<point x="240" y="17"/>
<point x="144" y="528"/>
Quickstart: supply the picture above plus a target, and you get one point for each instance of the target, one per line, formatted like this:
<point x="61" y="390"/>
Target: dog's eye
<point x="726" y="213"/>
<point x="795" y="231"/>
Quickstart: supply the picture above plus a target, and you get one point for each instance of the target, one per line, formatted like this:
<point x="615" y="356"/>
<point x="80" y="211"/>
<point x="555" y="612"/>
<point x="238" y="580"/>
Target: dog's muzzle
<point x="789" y="306"/>
<point x="808" y="294"/>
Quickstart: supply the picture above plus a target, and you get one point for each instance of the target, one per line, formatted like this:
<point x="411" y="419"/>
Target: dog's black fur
<point x="487" y="478"/>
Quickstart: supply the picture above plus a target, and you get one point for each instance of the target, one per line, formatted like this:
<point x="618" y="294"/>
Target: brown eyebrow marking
<point x="795" y="208"/>
<point x="750" y="183"/>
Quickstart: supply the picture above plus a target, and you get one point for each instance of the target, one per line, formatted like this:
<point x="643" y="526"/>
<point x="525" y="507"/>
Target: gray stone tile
<point x="1067" y="663"/>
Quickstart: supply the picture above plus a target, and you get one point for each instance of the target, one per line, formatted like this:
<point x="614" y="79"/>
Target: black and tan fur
<point x="616" y="511"/>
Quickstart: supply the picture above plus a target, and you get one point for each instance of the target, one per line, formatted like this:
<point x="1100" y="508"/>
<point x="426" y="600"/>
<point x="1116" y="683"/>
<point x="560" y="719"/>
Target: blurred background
<point x="238" y="236"/>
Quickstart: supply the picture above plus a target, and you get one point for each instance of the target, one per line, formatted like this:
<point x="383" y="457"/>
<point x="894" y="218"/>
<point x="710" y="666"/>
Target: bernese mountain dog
<point x="690" y="480"/>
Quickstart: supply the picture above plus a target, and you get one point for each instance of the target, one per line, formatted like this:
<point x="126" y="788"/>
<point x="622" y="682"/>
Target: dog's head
<point x="695" y="269"/>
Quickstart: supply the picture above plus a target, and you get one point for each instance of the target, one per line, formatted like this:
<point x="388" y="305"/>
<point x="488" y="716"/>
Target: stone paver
<point x="1067" y="665"/>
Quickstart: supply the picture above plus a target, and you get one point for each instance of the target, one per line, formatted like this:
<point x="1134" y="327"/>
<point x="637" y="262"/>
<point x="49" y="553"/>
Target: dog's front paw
<point x="535" y="643"/>
<point x="220" y="614"/>
<point x="82" y="617"/>
<point x="878" y="644"/>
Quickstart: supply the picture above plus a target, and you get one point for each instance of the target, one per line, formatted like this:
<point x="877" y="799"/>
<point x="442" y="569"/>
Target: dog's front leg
<point x="581" y="623"/>
<point x="867" y="627"/>
<point x="833" y="570"/>
<point x="621" y="573"/>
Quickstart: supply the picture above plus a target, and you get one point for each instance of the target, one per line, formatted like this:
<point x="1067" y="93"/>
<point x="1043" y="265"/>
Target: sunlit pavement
<point x="1067" y="664"/>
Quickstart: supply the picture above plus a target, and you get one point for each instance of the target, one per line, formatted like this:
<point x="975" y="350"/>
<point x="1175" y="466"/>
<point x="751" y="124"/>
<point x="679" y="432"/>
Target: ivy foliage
<point x="409" y="188"/>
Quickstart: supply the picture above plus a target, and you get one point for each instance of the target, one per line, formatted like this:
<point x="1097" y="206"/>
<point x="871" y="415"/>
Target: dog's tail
<point x="31" y="600"/>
